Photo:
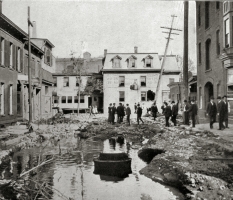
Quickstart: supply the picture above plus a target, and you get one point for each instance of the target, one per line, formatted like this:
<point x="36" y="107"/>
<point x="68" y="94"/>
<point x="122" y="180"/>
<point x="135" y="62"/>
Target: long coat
<point x="167" y="111"/>
<point x="128" y="111"/>
<point x="175" y="109"/>
<point x="220" y="109"/>
<point x="211" y="109"/>
<point x="192" y="110"/>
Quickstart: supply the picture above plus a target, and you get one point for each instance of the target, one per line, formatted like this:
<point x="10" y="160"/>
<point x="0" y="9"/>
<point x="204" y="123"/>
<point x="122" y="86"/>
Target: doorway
<point x="209" y="91"/>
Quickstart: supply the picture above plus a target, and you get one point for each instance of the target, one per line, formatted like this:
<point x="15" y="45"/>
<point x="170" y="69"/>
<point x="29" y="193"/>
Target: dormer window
<point x="131" y="61"/>
<point x="148" y="61"/>
<point x="116" y="62"/>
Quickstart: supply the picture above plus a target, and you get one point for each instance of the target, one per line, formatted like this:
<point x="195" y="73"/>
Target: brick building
<point x="133" y="77"/>
<point x="214" y="51"/>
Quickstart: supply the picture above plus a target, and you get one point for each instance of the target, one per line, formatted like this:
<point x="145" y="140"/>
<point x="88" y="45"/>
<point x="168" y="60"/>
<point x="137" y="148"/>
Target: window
<point x="63" y="99"/>
<point x="199" y="15"/>
<point x="69" y="99"/>
<point x="46" y="88"/>
<point x="66" y="82"/>
<point x="11" y="55"/>
<point x="226" y="6"/>
<point x="121" y="81"/>
<point x="208" y="43"/>
<point x="55" y="99"/>
<point x="143" y="81"/>
<point x="121" y="96"/>
<point x="55" y="81"/>
<point x="75" y="99"/>
<point x="11" y="100"/>
<point x="227" y="33"/>
<point x="217" y="5"/>
<point x="207" y="14"/>
<point x="133" y="63"/>
<point x="116" y="63"/>
<point x="148" y="62"/>
<point x="2" y="96"/>
<point x="82" y="100"/>
<point x="48" y="57"/>
<point x="77" y="81"/>
<point x="199" y="53"/>
<point x="218" y="42"/>
<point x="2" y="51"/>
<point x="171" y="80"/>
<point x="18" y="59"/>
<point x="143" y="96"/>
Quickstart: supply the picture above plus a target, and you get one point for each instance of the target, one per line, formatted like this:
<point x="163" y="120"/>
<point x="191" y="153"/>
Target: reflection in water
<point x="72" y="173"/>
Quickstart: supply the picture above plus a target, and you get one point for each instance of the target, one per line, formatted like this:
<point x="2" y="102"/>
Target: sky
<point x="117" y="26"/>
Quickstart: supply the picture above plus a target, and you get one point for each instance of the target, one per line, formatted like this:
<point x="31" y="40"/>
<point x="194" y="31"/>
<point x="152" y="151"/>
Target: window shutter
<point x="21" y="60"/>
<point x="7" y="53"/>
<point x="51" y="59"/>
<point x="1" y="52"/>
<point x="45" y="55"/>
<point x="14" y="57"/>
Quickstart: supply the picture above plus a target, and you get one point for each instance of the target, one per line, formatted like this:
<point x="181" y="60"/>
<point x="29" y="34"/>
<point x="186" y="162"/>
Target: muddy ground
<point x="198" y="163"/>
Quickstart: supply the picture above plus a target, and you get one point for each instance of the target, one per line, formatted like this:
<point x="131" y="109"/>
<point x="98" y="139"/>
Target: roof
<point x="139" y="60"/>
<point x="171" y="63"/>
<point x="46" y="40"/>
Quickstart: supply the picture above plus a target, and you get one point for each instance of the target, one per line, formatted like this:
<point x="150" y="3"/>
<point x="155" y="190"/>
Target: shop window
<point x="66" y="82"/>
<point x="121" y="81"/>
<point x="63" y="99"/>
<point x="2" y="98"/>
<point x="143" y="81"/>
<point x="121" y="96"/>
<point x="69" y="99"/>
<point x="143" y="96"/>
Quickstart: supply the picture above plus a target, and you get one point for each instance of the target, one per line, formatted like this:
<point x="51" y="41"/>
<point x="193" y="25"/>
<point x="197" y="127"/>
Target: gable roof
<point x="132" y="56"/>
<point x="148" y="56"/>
<point x="118" y="57"/>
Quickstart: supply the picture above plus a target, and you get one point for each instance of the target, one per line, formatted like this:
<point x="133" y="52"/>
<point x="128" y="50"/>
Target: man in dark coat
<point x="225" y="103"/>
<point x="120" y="113"/>
<point x="135" y="108"/>
<point x="113" y="113"/>
<point x="211" y="111"/>
<point x="220" y="112"/>
<point x="128" y="113"/>
<point x="192" y="111"/>
<point x="139" y="114"/>
<point x="109" y="113"/>
<point x="167" y="113"/>
<point x="174" y="112"/>
<point x="154" y="110"/>
<point x="186" y="114"/>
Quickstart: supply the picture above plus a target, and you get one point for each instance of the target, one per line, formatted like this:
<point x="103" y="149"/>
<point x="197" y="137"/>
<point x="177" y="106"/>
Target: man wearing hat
<point x="211" y="111"/>
<point x="186" y="114"/>
<point x="192" y="111"/>
<point x="225" y="103"/>
<point x="220" y="113"/>
<point x="174" y="112"/>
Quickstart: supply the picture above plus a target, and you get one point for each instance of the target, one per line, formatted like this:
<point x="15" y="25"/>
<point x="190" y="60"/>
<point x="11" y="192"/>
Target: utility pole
<point x="165" y="53"/>
<point x="185" y="50"/>
<point x="29" y="68"/>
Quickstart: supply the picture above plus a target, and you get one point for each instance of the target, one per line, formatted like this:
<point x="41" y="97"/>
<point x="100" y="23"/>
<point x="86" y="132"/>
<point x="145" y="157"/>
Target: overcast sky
<point x="117" y="26"/>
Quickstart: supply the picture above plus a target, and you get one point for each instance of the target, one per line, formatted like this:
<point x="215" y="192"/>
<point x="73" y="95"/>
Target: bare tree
<point x="191" y="66"/>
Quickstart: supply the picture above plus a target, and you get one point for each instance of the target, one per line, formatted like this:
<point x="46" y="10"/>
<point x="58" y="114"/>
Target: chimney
<point x="34" y="35"/>
<point x="135" y="49"/>
<point x="105" y="52"/>
<point x="0" y="6"/>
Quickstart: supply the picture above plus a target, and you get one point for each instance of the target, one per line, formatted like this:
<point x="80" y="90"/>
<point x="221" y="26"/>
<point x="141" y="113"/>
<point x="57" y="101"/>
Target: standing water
<point x="71" y="175"/>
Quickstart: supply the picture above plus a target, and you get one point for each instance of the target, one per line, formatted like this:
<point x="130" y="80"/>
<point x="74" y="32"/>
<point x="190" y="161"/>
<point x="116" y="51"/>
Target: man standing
<point x="109" y="113"/>
<point x="211" y="111"/>
<point x="220" y="112"/>
<point x="139" y="114"/>
<point x="154" y="110"/>
<point x="186" y="114"/>
<point x="226" y="110"/>
<point x="174" y="112"/>
<point x="128" y="113"/>
<point x="113" y="113"/>
<point x="135" y="108"/>
<point x="167" y="113"/>
<point x="192" y="111"/>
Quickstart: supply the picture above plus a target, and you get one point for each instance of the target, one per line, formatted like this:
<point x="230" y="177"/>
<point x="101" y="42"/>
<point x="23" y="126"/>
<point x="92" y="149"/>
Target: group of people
<point x="122" y="111"/>
<point x="221" y="109"/>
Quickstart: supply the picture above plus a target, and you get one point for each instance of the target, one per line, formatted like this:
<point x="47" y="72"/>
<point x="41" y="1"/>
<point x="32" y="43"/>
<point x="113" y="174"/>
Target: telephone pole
<point x="29" y="68"/>
<point x="165" y="53"/>
<point x="185" y="50"/>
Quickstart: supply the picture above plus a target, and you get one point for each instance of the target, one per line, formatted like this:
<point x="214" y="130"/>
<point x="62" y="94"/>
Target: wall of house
<point x="112" y="89"/>
<point x="8" y="77"/>
<point x="217" y="74"/>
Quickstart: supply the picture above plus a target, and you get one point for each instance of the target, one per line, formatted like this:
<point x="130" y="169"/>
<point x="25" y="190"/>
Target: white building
<point x="122" y="70"/>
